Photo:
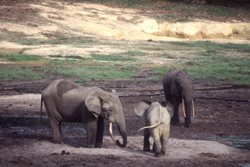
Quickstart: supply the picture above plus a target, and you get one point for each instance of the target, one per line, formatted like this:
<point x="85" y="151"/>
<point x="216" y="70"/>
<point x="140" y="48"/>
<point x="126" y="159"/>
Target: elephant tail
<point x="41" y="110"/>
<point x="152" y="126"/>
<point x="155" y="125"/>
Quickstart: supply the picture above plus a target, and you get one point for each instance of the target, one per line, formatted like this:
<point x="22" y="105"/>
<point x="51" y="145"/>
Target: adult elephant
<point x="178" y="88"/>
<point x="68" y="101"/>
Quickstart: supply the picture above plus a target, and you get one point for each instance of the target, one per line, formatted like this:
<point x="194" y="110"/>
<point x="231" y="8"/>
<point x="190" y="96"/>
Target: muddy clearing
<point x="219" y="135"/>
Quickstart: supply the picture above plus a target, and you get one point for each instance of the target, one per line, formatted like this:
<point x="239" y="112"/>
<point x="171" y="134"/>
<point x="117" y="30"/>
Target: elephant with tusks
<point x="178" y="88"/>
<point x="67" y="101"/>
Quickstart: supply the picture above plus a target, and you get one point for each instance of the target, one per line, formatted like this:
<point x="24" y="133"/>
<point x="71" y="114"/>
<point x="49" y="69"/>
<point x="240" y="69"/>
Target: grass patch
<point x="21" y="57"/>
<point x="183" y="11"/>
<point x="131" y="68"/>
<point x="243" y="48"/>
<point x="111" y="57"/>
<point x="167" y="55"/>
<point x="20" y="73"/>
<point x="209" y="52"/>
<point x="85" y="73"/>
<point x="214" y="68"/>
<point x="68" y="57"/>
<point x="56" y="56"/>
<point x="123" y="3"/>
<point x="76" y="57"/>
<point x="134" y="53"/>
<point x="59" y="40"/>
<point x="64" y="61"/>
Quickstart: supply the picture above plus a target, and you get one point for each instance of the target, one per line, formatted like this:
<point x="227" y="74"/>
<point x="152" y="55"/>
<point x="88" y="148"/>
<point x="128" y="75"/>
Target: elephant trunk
<point x="188" y="110"/>
<point x="124" y="137"/>
<point x="193" y="108"/>
<point x="122" y="130"/>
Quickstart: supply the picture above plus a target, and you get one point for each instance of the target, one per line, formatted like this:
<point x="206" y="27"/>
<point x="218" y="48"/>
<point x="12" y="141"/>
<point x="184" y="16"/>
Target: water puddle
<point x="22" y="121"/>
<point x="237" y="142"/>
<point x="35" y="122"/>
<point x="245" y="165"/>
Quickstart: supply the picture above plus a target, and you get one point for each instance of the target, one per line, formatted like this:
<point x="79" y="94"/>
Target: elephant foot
<point x="186" y="125"/>
<point x="163" y="152"/>
<point x="57" y="141"/>
<point x="146" y="149"/>
<point x="157" y="154"/>
<point x="98" y="145"/>
<point x="175" y="123"/>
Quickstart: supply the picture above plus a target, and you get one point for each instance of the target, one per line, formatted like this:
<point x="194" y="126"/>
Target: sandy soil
<point x="48" y="19"/>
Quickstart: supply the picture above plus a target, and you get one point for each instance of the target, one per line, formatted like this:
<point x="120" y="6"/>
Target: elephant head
<point x="108" y="105"/>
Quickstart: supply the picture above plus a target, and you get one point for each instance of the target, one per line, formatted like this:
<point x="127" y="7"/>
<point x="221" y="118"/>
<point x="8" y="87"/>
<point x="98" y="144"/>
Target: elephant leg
<point x="56" y="130"/>
<point x="146" y="146"/>
<point x="54" y="123"/>
<point x="164" y="140"/>
<point x="175" y="119"/>
<point x="100" y="131"/>
<point x="157" y="142"/>
<point x="92" y="133"/>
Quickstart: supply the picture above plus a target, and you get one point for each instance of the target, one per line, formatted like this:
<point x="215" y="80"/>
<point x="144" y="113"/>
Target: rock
<point x="204" y="30"/>
<point x="217" y="30"/>
<point x="149" y="26"/>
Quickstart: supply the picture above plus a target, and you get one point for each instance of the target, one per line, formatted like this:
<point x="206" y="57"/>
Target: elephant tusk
<point x="183" y="108"/>
<point x="111" y="133"/>
<point x="193" y="108"/>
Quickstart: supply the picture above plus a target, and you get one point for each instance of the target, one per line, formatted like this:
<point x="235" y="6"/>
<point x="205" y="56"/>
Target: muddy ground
<point x="219" y="134"/>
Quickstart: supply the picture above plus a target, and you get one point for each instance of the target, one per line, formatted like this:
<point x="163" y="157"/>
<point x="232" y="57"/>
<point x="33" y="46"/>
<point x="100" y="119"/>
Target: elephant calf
<point x="67" y="101"/>
<point x="157" y="118"/>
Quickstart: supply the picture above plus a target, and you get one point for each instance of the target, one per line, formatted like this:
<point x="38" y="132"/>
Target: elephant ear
<point x="93" y="102"/>
<point x="141" y="107"/>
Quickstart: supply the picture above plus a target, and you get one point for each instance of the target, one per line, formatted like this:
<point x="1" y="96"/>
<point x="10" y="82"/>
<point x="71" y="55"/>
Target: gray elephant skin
<point x="178" y="88"/>
<point x="157" y="119"/>
<point x="67" y="101"/>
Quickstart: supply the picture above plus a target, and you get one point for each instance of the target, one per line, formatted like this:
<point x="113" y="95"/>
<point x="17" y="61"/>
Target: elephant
<point x="178" y="88"/>
<point x="157" y="119"/>
<point x="67" y="101"/>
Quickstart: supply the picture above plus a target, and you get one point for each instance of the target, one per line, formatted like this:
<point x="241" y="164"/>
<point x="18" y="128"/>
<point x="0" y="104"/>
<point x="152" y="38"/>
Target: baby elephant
<point x="157" y="118"/>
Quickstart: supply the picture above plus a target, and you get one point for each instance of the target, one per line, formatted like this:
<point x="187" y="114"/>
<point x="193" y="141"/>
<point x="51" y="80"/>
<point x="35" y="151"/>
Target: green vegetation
<point x="63" y="61"/>
<point x="111" y="57"/>
<point x="85" y="73"/>
<point x="20" y="73"/>
<point x="244" y="48"/>
<point x="20" y="57"/>
<point x="214" y="67"/>
<point x="124" y="3"/>
<point x="134" y="53"/>
<point x="167" y="55"/>
<point x="202" y="59"/>
<point x="59" y="39"/>
<point x="182" y="11"/>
